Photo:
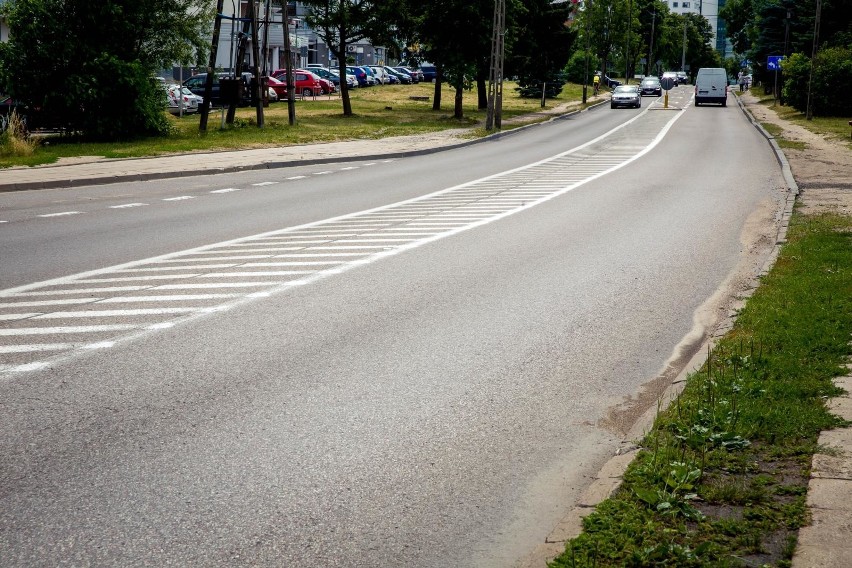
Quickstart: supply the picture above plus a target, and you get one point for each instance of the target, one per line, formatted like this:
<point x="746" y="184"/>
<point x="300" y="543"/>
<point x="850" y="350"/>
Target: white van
<point x="711" y="86"/>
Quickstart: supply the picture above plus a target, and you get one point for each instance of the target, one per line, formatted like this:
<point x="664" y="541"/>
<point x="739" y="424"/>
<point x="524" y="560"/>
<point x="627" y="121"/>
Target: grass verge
<point x="836" y="127"/>
<point x="379" y="112"/>
<point x="721" y="479"/>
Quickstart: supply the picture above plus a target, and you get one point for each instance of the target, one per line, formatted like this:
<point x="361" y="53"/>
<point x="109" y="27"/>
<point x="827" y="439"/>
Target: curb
<point x="136" y="177"/>
<point x="611" y="475"/>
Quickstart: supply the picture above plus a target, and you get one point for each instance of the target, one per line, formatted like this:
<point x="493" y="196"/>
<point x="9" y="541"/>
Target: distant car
<point x="650" y="85"/>
<point x="626" y="96"/>
<point x="305" y="84"/>
<point x="326" y="85"/>
<point x="430" y="72"/>
<point x="682" y="78"/>
<point x="413" y="75"/>
<point x="360" y="75"/>
<point x="382" y="76"/>
<point x="181" y="100"/>
<point x="372" y="80"/>
<point x="326" y="74"/>
<point x="196" y="84"/>
<point x="673" y="76"/>
<point x="609" y="82"/>
<point x="401" y="78"/>
<point x="278" y="87"/>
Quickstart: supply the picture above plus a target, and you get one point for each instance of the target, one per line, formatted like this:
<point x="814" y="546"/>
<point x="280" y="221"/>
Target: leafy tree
<point x="86" y="65"/>
<point x="541" y="48"/>
<point x="340" y="23"/>
<point x="832" y="66"/>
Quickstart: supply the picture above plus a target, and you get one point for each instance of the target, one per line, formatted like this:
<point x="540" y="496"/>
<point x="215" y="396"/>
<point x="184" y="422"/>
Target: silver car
<point x="626" y="96"/>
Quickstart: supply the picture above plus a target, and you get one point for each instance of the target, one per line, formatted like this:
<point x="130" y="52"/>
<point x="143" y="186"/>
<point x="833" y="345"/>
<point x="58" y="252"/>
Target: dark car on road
<point x="430" y="72"/>
<point x="651" y="86"/>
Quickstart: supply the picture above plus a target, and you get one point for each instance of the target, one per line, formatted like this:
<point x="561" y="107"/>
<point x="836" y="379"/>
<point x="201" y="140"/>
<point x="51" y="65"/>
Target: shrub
<point x="832" y="76"/>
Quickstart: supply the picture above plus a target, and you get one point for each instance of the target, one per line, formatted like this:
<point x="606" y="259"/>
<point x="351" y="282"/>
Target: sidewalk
<point x="94" y="170"/>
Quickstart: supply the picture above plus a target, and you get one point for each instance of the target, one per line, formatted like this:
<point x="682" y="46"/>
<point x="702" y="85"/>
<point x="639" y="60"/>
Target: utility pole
<point x="651" y="47"/>
<point x="810" y="113"/>
<point x="288" y="65"/>
<point x="586" y="17"/>
<point x="495" y="81"/>
<point x="211" y="67"/>
<point x="257" y="85"/>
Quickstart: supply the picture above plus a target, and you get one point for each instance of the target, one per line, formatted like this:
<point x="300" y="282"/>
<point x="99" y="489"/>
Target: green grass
<point x="836" y="127"/>
<point x="379" y="112"/>
<point x="722" y="477"/>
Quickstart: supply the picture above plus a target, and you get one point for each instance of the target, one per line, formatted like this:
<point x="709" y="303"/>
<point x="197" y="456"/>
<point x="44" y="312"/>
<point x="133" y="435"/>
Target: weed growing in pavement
<point x="722" y="477"/>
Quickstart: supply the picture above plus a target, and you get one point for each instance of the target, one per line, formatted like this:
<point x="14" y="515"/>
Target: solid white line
<point x="181" y="198"/>
<point x="168" y="298"/>
<point x="35" y="347"/>
<point x="80" y="291"/>
<point x="127" y="205"/>
<point x="226" y="190"/>
<point x="61" y="214"/>
<point x="99" y="345"/>
<point x="214" y="259"/>
<point x="16" y="317"/>
<point x="40" y="303"/>
<point x="117" y="313"/>
<point x="164" y="268"/>
<point x="258" y="273"/>
<point x="66" y="329"/>
<point x="133" y="278"/>
<point x="212" y="285"/>
<point x="296" y="263"/>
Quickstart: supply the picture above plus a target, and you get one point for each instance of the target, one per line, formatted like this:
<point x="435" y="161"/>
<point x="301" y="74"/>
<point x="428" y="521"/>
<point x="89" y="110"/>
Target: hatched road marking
<point x="270" y="263"/>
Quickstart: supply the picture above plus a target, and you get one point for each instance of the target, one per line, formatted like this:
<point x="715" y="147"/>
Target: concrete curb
<point x="610" y="476"/>
<point x="212" y="170"/>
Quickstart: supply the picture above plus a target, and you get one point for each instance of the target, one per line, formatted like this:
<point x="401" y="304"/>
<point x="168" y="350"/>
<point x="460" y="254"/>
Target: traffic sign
<point x="774" y="62"/>
<point x="667" y="83"/>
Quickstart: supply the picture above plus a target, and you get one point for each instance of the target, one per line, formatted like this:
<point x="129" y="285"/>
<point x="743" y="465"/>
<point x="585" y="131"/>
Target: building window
<point x="685" y="5"/>
<point x="674" y="4"/>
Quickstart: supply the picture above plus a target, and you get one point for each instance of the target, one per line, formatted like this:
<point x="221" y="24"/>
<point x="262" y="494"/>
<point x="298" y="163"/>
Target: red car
<point x="327" y="86"/>
<point x="307" y="84"/>
<point x="279" y="87"/>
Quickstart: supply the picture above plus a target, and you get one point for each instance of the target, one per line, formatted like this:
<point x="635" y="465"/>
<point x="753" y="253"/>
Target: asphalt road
<point x="433" y="399"/>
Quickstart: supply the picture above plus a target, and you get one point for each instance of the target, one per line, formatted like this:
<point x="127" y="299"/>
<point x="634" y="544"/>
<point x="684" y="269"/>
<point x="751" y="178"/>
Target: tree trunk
<point x="482" y="89"/>
<point x="344" y="87"/>
<point x="458" y="111"/>
<point x="436" y="99"/>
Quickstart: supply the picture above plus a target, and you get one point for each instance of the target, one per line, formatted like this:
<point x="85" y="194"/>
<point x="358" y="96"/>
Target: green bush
<point x="576" y="66"/>
<point x="832" y="76"/>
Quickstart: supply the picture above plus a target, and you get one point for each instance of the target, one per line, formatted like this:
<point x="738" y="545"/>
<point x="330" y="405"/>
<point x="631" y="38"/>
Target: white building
<point x="710" y="10"/>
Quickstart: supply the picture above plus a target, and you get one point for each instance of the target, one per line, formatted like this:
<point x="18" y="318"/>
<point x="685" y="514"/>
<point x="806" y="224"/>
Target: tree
<point x="541" y="47"/>
<point x="87" y="64"/>
<point x="341" y="23"/>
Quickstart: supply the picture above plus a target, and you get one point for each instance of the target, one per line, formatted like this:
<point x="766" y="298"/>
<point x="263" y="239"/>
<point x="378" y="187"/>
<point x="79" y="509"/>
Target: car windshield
<point x="650" y="80"/>
<point x="625" y="89"/>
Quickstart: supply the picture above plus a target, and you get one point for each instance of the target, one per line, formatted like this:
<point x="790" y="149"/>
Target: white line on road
<point x="65" y="329"/>
<point x="168" y="298"/>
<point x="117" y="313"/>
<point x="36" y="347"/>
<point x="297" y="177"/>
<point x="16" y="317"/>
<point x="127" y="205"/>
<point x="41" y="303"/>
<point x="181" y="198"/>
<point x="226" y="190"/>
<point x="64" y="213"/>
<point x="263" y="183"/>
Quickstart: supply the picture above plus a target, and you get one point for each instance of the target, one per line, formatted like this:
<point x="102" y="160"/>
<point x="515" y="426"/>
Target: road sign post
<point x="774" y="63"/>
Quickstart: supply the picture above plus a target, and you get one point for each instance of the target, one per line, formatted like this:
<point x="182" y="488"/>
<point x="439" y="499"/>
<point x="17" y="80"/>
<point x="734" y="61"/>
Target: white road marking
<point x="64" y="213"/>
<point x="347" y="168"/>
<point x="263" y="183"/>
<point x="181" y="198"/>
<point x="16" y="317"/>
<point x="297" y="177"/>
<point x="165" y="268"/>
<point x="226" y="190"/>
<point x="296" y="263"/>
<point x="168" y="298"/>
<point x="99" y="345"/>
<point x="11" y="332"/>
<point x="117" y="313"/>
<point x="41" y="303"/>
<point x="212" y="285"/>
<point x="258" y="273"/>
<point x="80" y="291"/>
<point x="322" y="173"/>
<point x="127" y="205"/>
<point x="36" y="347"/>
<point x="134" y="278"/>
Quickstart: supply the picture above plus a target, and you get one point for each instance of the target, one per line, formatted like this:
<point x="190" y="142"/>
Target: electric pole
<point x="495" y="80"/>
<point x="211" y="67"/>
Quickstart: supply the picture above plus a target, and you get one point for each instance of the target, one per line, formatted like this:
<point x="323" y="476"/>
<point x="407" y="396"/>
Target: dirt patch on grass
<point x="822" y="166"/>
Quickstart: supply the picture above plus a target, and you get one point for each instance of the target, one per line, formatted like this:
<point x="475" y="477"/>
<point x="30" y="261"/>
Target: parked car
<point x="351" y="81"/>
<point x="326" y="85"/>
<point x="360" y="75"/>
<point x="673" y="76"/>
<point x="182" y="100"/>
<point x="412" y="73"/>
<point x="278" y="87"/>
<point x="382" y="76"/>
<point x="430" y="73"/>
<point x="609" y="82"/>
<point x="371" y="76"/>
<point x="711" y="86"/>
<point x="196" y="84"/>
<point x="401" y="78"/>
<point x="325" y="74"/>
<point x="650" y="85"/>
<point x="626" y="96"/>
<point x="305" y="83"/>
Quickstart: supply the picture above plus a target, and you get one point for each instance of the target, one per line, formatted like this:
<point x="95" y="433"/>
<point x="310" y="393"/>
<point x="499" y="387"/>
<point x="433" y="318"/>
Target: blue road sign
<point x="774" y="62"/>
